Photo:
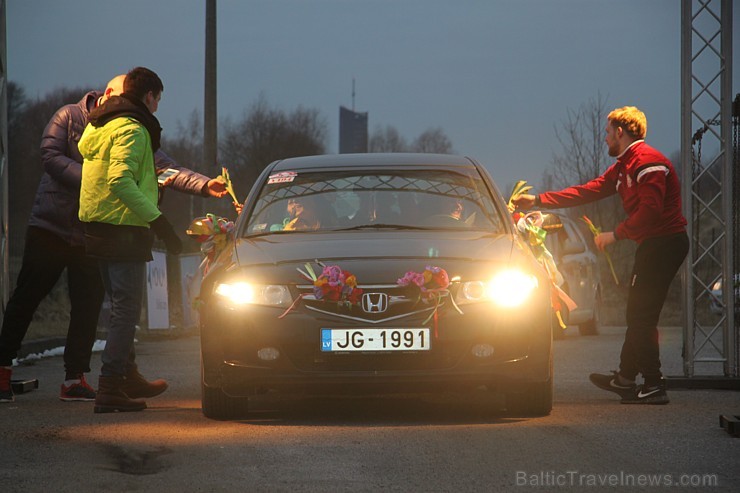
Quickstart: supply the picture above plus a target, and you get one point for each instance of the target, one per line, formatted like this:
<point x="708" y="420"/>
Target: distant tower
<point x="352" y="128"/>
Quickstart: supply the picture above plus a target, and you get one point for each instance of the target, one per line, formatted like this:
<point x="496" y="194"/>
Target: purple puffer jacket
<point x="58" y="195"/>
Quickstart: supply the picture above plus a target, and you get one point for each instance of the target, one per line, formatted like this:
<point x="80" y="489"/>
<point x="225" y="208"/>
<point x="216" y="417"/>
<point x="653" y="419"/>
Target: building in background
<point x="352" y="131"/>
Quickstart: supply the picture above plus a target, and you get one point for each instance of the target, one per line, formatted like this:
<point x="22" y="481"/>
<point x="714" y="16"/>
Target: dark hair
<point x="140" y="80"/>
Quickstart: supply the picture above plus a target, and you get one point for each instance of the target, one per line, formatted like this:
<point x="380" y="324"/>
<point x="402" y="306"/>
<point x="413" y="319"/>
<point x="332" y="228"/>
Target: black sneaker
<point x="611" y="383"/>
<point x="6" y="388"/>
<point x="644" y="394"/>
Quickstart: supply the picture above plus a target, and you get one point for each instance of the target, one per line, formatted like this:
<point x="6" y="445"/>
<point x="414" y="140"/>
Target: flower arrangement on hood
<point x="340" y="286"/>
<point x="432" y="281"/>
<point x="332" y="285"/>
<point x="428" y="286"/>
<point x="335" y="284"/>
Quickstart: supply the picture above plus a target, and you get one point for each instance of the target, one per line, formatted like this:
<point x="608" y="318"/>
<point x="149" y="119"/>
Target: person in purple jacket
<point x="54" y="242"/>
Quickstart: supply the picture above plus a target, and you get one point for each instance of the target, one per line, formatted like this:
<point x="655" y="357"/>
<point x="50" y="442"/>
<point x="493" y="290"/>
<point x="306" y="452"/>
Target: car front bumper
<point x="519" y="344"/>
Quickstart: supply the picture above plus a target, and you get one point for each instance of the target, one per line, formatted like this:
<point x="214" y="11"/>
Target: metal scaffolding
<point x="707" y="155"/>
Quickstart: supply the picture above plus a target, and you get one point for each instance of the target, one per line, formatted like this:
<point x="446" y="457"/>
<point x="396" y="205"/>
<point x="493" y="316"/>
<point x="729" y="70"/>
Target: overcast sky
<point x="495" y="75"/>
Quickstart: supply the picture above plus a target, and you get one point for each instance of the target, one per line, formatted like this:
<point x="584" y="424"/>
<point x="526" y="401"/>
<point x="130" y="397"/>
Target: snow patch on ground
<point x="57" y="351"/>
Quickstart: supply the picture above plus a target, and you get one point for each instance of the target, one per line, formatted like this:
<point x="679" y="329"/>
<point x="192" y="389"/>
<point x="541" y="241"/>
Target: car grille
<point x="381" y="303"/>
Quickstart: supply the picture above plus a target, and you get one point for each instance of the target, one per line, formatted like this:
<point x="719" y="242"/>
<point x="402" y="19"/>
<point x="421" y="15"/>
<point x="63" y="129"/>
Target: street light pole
<point x="210" y="130"/>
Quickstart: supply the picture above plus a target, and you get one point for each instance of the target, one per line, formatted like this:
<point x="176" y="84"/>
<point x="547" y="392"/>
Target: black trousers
<point x="656" y="262"/>
<point x="45" y="257"/>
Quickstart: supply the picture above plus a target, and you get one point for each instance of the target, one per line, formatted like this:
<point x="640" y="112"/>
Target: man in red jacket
<point x="651" y="196"/>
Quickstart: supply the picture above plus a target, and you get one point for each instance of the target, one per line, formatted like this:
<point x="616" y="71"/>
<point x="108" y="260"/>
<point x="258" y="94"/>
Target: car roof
<point x="372" y="160"/>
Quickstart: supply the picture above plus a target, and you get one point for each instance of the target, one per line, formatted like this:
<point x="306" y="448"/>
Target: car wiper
<point x="283" y="232"/>
<point x="381" y="226"/>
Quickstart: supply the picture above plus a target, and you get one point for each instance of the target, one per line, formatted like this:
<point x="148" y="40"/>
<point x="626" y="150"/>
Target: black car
<point x="375" y="273"/>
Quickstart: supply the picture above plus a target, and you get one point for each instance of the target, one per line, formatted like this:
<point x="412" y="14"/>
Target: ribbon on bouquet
<point x="531" y="225"/>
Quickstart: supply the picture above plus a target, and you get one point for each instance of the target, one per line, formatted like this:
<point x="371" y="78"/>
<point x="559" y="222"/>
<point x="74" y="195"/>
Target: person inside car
<point x="444" y="211"/>
<point x="302" y="215"/>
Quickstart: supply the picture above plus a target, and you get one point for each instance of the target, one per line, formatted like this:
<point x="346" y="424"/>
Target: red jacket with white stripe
<point x="648" y="185"/>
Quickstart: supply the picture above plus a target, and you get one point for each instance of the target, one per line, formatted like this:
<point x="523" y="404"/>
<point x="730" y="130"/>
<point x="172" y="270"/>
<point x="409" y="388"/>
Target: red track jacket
<point x="650" y="191"/>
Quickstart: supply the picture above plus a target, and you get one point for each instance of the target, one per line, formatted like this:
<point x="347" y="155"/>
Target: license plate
<point x="367" y="339"/>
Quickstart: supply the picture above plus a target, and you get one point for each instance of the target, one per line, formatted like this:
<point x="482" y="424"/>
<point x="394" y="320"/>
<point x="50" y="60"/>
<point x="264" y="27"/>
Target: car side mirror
<point x="551" y="223"/>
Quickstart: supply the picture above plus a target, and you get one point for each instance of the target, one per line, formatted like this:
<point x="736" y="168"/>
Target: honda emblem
<point x="374" y="302"/>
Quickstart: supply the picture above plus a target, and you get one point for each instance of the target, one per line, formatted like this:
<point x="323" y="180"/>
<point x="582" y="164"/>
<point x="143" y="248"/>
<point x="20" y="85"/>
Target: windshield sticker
<point x="282" y="177"/>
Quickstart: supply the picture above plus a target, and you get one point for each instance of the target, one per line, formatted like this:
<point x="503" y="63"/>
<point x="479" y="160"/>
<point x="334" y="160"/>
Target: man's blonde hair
<point x="631" y="119"/>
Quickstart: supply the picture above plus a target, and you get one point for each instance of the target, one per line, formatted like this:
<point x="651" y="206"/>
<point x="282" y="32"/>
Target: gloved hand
<point x="163" y="229"/>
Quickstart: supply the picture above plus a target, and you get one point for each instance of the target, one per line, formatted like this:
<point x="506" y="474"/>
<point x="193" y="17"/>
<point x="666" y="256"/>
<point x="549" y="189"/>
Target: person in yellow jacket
<point x="118" y="207"/>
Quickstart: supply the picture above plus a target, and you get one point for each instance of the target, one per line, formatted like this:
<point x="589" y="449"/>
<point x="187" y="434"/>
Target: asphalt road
<point x="421" y="443"/>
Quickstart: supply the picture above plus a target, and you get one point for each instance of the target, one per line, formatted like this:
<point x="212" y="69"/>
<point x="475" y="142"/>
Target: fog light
<point x="482" y="350"/>
<point x="268" y="354"/>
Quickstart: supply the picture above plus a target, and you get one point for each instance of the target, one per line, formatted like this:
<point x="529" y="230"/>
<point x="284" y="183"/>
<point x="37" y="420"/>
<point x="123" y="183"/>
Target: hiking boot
<point x="644" y="394"/>
<point x="6" y="388"/>
<point x="111" y="398"/>
<point x="136" y="386"/>
<point x="81" y="391"/>
<point x="611" y="383"/>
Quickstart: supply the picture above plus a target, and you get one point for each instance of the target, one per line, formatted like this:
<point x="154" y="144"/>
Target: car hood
<point x="375" y="255"/>
<point x="371" y="245"/>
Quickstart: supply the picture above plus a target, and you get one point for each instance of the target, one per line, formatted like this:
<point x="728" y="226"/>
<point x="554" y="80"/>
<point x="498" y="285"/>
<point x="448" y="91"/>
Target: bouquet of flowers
<point x="212" y="232"/>
<point x="335" y="284"/>
<point x="230" y="187"/>
<point x="332" y="285"/>
<point x="429" y="285"/>
<point x="520" y="188"/>
<point x="531" y="225"/>
<point x="596" y="231"/>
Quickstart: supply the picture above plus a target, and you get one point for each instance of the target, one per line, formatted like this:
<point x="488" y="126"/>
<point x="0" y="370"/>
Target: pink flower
<point x="431" y="281"/>
<point x="415" y="278"/>
<point x="334" y="275"/>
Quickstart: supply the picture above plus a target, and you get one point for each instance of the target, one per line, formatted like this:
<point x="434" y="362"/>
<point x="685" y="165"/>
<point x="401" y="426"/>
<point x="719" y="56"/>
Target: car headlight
<point x="244" y="293"/>
<point x="509" y="288"/>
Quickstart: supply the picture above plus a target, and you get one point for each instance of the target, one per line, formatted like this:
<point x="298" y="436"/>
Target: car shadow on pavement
<point x="480" y="407"/>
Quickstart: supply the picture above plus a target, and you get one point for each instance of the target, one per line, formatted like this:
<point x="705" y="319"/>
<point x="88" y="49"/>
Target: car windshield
<point x="374" y="199"/>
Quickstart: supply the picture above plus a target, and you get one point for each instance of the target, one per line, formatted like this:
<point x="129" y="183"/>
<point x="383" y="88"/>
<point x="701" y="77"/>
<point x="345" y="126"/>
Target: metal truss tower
<point x="710" y="206"/>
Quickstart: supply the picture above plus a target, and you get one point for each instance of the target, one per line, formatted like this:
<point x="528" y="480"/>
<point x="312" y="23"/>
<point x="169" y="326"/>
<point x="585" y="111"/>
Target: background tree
<point x="433" y="140"/>
<point x="583" y="157"/>
<point x="267" y="133"/>
<point x="388" y="139"/>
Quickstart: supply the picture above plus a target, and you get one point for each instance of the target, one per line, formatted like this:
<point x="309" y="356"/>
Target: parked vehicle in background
<point x="716" y="304"/>
<point x="573" y="249"/>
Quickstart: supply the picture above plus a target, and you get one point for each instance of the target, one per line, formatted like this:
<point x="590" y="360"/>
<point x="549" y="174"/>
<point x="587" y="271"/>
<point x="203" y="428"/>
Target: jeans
<point x="45" y="256"/>
<point x="656" y="262"/>
<point x="124" y="283"/>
